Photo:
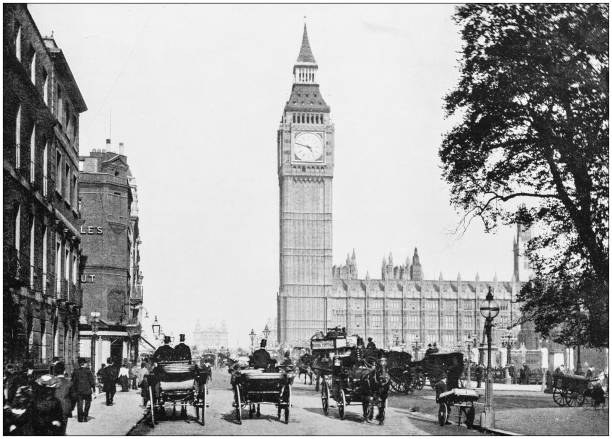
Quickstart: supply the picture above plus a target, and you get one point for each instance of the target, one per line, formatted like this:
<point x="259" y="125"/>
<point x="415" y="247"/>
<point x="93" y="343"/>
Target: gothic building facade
<point x="400" y="307"/>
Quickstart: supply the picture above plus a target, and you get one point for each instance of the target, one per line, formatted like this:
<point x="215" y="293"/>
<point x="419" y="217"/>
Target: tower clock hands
<point x="306" y="146"/>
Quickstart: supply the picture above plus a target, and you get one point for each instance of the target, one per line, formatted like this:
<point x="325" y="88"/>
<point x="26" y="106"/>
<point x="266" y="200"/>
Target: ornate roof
<point x="306" y="97"/>
<point x="305" y="55"/>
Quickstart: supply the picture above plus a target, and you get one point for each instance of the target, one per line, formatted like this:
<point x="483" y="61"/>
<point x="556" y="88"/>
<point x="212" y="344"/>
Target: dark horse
<point x="374" y="388"/>
<point x="304" y="366"/>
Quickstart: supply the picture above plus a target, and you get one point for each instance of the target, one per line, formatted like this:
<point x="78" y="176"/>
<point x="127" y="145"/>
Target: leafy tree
<point x="531" y="147"/>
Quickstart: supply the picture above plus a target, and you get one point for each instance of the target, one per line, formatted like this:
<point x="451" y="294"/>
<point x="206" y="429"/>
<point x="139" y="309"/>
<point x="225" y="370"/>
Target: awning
<point x="144" y="342"/>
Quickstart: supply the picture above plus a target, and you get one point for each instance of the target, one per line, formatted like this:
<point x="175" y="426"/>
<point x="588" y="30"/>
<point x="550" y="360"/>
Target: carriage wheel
<point x="574" y="399"/>
<point x="442" y="414"/>
<point x="341" y="404"/>
<point x="559" y="396"/>
<point x="238" y="406"/>
<point x="325" y="397"/>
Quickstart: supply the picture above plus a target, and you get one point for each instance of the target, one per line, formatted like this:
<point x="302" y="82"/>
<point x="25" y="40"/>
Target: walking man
<point x="109" y="381"/>
<point x="84" y="383"/>
<point x="63" y="392"/>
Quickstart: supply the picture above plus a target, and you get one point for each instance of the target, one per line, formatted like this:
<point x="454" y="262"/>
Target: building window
<point x="43" y="342"/>
<point x="44" y="260"/>
<point x="33" y="68"/>
<point x="60" y="105"/>
<point x="58" y="269"/>
<point x="32" y="252"/>
<point x="67" y="184"/>
<point x="45" y="89"/>
<point x="58" y="172"/>
<point x="67" y="270"/>
<point x="55" y="340"/>
<point x="18" y="139"/>
<point x="33" y="155"/>
<point x="18" y="44"/>
<point x="18" y="230"/>
<point x="45" y="170"/>
<point x="75" y="268"/>
<point x="73" y="190"/>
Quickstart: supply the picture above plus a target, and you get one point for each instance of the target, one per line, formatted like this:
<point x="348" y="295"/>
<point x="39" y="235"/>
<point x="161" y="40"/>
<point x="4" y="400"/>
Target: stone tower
<point x="305" y="143"/>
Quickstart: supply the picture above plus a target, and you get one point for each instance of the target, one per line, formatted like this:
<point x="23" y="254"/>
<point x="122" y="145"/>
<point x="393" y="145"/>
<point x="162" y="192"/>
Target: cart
<point x="463" y="399"/>
<point x="403" y="377"/>
<point x="574" y="390"/>
<point x="323" y="348"/>
<point x="177" y="383"/>
<point x="253" y="387"/>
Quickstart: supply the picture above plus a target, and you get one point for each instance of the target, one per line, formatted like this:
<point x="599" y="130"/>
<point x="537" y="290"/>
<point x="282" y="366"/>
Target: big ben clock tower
<point x="305" y="170"/>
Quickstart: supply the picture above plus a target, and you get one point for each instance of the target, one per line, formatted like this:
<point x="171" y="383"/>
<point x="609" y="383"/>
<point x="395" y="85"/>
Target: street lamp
<point x="156" y="327"/>
<point x="252" y="335"/>
<point x="396" y="339"/>
<point x="489" y="310"/>
<point x="266" y="332"/>
<point x="508" y="340"/>
<point x="94" y="320"/>
<point x="416" y="347"/>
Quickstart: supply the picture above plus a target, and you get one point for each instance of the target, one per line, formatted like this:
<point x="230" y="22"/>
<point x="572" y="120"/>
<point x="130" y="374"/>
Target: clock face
<point x="308" y="147"/>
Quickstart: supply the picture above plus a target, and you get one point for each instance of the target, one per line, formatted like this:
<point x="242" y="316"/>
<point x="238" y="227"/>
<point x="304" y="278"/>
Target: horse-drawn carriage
<point x="179" y="383"/>
<point x="323" y="348"/>
<point x="405" y="376"/>
<point x="253" y="387"/>
<point x="434" y="365"/>
<point x="576" y="390"/>
<point x="364" y="381"/>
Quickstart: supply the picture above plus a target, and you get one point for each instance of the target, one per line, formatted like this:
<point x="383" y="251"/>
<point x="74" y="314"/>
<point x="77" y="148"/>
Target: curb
<point x="494" y="431"/>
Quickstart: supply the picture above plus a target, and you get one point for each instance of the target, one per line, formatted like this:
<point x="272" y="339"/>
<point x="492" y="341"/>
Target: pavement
<point x="115" y="420"/>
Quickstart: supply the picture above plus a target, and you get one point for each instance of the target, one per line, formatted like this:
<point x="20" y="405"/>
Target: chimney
<point x="121" y="149"/>
<point x="108" y="147"/>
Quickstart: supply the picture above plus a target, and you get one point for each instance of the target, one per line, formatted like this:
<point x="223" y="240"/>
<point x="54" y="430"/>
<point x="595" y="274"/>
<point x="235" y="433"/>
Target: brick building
<point x="111" y="281"/>
<point x="42" y="251"/>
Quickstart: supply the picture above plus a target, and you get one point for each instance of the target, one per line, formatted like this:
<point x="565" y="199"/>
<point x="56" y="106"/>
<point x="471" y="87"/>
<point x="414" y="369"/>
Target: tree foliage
<point x="531" y="148"/>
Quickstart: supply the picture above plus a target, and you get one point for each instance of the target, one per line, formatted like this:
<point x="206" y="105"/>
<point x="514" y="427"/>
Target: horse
<point x="373" y="384"/>
<point x="304" y="366"/>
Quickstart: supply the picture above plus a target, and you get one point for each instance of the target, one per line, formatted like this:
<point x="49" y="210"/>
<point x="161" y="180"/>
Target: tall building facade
<point x="42" y="244"/>
<point x="400" y="307"/>
<point x="111" y="281"/>
<point x="305" y="143"/>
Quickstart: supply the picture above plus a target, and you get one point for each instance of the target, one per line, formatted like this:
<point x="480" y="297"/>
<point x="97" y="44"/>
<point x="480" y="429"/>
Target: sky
<point x="196" y="93"/>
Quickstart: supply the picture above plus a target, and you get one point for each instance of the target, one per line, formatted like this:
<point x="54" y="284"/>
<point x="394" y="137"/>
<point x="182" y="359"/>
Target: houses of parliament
<point x="400" y="307"/>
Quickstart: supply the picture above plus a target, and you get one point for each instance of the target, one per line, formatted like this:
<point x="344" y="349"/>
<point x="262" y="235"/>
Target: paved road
<point x="306" y="418"/>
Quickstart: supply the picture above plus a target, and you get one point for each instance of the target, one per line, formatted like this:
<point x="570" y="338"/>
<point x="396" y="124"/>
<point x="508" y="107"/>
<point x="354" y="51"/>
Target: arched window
<point x="32" y="250"/>
<point x="18" y="230"/>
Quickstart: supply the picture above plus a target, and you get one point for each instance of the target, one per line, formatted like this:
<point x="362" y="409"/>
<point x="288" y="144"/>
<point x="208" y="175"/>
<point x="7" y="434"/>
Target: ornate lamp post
<point x="252" y="335"/>
<point x="508" y="340"/>
<point x="266" y="332"/>
<point x="416" y="346"/>
<point x="489" y="309"/>
<point x="94" y="320"/>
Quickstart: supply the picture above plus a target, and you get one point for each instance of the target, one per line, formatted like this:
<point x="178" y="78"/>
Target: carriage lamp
<point x="252" y="335"/>
<point x="489" y="309"/>
<point x="266" y="332"/>
<point x="156" y="327"/>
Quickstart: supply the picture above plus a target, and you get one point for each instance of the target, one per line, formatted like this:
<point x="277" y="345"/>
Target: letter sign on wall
<point x="91" y="230"/>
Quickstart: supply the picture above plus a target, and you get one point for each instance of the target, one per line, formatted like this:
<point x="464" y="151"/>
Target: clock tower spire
<point x="305" y="144"/>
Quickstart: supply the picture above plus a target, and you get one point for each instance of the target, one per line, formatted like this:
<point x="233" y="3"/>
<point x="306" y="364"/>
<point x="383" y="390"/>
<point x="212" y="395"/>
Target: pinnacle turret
<point x="305" y="55"/>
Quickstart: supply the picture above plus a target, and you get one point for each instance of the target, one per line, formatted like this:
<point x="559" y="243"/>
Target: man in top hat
<point x="165" y="352"/>
<point x="181" y="350"/>
<point x="261" y="357"/>
<point x="83" y="384"/>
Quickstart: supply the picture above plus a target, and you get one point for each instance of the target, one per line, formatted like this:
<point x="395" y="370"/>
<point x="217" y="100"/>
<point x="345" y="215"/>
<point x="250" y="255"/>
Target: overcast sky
<point x="196" y="93"/>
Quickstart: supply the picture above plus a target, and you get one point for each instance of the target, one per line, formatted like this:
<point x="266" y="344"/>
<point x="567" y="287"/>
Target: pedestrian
<point x="134" y="376"/>
<point x="434" y="348"/>
<point x="522" y="375"/>
<point x="124" y="377"/>
<point x="64" y="393"/>
<point x="109" y="381"/>
<point x="142" y="382"/>
<point x="479" y="370"/>
<point x="429" y="350"/>
<point x="47" y="413"/>
<point x="371" y="344"/>
<point x="100" y="377"/>
<point x="10" y="375"/>
<point x="83" y="384"/>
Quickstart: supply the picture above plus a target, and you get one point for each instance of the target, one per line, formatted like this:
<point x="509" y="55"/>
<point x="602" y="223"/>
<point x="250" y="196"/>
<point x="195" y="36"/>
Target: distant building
<point x="112" y="281"/>
<point x="210" y="337"/>
<point x="42" y="243"/>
